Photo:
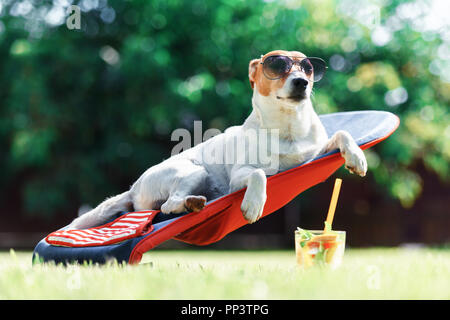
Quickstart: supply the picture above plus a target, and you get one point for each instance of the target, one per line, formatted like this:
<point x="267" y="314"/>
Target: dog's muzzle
<point x="299" y="86"/>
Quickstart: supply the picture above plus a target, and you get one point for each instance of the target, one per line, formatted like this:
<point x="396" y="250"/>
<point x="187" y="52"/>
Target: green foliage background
<point x="84" y="112"/>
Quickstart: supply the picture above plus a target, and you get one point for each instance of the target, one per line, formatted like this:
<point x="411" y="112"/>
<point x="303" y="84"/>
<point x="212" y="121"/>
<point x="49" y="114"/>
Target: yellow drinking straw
<point x="332" y="208"/>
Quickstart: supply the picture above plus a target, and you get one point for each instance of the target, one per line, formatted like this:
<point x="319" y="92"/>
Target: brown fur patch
<point x="194" y="203"/>
<point x="252" y="70"/>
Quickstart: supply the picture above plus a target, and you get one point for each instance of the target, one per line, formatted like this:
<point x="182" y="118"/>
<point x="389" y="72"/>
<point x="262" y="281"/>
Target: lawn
<point x="378" y="273"/>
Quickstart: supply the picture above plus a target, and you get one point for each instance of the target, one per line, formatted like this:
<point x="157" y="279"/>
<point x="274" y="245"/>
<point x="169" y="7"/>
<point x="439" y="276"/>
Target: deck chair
<point x="128" y="236"/>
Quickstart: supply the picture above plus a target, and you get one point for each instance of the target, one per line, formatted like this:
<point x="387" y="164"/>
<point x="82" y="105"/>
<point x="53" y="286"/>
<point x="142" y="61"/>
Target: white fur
<point x="166" y="185"/>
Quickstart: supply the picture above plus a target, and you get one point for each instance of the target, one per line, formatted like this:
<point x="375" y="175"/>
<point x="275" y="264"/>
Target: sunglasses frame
<point x="293" y="62"/>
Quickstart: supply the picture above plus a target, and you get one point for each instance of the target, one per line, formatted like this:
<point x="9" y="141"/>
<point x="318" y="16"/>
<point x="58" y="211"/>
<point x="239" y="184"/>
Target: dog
<point x="282" y="83"/>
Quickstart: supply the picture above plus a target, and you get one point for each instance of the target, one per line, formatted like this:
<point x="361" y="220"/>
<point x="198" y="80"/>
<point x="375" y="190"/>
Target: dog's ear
<point x="252" y="68"/>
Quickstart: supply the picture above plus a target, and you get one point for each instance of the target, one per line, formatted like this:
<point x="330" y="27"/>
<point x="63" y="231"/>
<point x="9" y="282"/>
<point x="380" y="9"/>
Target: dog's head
<point x="284" y="77"/>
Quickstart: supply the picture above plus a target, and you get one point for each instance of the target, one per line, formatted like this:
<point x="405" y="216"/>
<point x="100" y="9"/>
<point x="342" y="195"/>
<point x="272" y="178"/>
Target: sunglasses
<point x="277" y="66"/>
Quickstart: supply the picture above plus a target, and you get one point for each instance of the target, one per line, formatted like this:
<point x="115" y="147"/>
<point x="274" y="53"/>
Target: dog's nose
<point x="300" y="83"/>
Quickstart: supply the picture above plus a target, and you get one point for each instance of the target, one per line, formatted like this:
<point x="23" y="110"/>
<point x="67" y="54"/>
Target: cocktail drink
<point x="321" y="247"/>
<point x="314" y="247"/>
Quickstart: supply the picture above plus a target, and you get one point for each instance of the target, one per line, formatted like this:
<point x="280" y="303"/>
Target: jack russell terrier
<point x="282" y="82"/>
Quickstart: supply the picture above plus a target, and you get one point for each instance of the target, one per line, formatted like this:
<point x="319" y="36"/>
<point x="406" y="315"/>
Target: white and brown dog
<point x="282" y="82"/>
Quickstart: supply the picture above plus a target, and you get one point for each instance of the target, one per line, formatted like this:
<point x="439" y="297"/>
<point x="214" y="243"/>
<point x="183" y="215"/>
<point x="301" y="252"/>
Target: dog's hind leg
<point x="184" y="199"/>
<point x="185" y="192"/>
<point x="173" y="186"/>
<point x="178" y="204"/>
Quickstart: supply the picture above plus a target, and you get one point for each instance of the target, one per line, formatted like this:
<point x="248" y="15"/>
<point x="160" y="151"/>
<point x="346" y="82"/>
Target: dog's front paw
<point x="252" y="207"/>
<point x="355" y="161"/>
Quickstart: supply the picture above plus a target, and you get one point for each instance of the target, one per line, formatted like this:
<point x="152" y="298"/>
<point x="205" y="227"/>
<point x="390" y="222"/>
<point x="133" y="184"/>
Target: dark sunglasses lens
<point x="276" y="66"/>
<point x="315" y="66"/>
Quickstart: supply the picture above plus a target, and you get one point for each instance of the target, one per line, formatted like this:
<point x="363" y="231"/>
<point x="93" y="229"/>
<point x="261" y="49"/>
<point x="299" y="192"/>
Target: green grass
<point x="377" y="273"/>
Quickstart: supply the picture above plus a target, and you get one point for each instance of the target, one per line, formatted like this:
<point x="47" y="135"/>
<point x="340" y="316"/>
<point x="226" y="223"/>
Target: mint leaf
<point x="305" y="234"/>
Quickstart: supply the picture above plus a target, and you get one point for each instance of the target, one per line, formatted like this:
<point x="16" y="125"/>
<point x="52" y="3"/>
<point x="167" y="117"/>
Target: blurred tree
<point x="84" y="112"/>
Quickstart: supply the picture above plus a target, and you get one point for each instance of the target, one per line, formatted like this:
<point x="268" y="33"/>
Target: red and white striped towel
<point x="129" y="225"/>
